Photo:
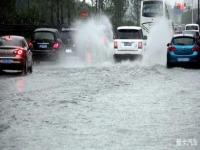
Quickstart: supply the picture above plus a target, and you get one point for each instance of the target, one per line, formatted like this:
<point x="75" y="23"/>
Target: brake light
<point x="140" y="45"/>
<point x="115" y="44"/>
<point x="19" y="52"/>
<point x="196" y="48"/>
<point x="171" y="49"/>
<point x="56" y="45"/>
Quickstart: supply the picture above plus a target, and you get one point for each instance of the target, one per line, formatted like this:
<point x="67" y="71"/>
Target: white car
<point x="129" y="42"/>
<point x="193" y="27"/>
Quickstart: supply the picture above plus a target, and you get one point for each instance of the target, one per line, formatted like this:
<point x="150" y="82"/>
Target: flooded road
<point x="123" y="106"/>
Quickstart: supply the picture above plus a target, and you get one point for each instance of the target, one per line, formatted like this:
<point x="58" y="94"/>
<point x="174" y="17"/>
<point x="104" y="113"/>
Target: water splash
<point x="156" y="49"/>
<point x="94" y="39"/>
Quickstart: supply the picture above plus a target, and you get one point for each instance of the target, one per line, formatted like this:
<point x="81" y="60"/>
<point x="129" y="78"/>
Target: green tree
<point x="7" y="11"/>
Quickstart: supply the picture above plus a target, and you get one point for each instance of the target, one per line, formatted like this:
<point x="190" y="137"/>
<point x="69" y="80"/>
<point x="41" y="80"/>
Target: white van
<point x="193" y="27"/>
<point x="129" y="41"/>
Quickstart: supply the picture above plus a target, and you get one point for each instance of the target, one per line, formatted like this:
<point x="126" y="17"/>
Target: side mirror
<point x="168" y="44"/>
<point x="145" y="37"/>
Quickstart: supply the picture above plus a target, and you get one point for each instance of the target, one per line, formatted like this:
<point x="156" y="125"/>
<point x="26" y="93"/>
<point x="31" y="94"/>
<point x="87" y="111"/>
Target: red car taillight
<point x="19" y="52"/>
<point x="196" y="48"/>
<point x="140" y="45"/>
<point x="56" y="45"/>
<point x="115" y="44"/>
<point x="171" y="49"/>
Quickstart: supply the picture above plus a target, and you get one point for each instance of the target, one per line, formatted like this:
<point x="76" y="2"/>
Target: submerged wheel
<point x="25" y="69"/>
<point x="31" y="69"/>
<point x="116" y="58"/>
<point x="169" y="65"/>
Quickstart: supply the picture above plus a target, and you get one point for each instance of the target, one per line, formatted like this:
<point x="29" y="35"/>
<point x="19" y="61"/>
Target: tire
<point x="116" y="59"/>
<point x="31" y="68"/>
<point x="25" y="69"/>
<point x="169" y="65"/>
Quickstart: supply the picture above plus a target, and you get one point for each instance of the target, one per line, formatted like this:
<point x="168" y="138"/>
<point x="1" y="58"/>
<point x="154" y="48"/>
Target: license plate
<point x="43" y="46"/>
<point x="6" y="61"/>
<point x="183" y="59"/>
<point x="127" y="44"/>
<point x="68" y="50"/>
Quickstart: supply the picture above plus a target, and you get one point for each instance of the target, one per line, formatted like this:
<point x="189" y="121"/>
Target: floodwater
<point x="112" y="106"/>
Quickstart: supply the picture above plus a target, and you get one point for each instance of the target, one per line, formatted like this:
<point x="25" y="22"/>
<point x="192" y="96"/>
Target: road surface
<point x="124" y="106"/>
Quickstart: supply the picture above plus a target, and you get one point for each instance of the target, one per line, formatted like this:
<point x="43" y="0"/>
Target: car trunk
<point x="128" y="44"/>
<point x="7" y="51"/>
<point x="43" y="40"/>
<point x="42" y="44"/>
<point x="184" y="50"/>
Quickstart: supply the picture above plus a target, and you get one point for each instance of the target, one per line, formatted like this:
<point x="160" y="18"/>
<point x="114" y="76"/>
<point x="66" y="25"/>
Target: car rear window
<point x="183" y="41"/>
<point x="9" y="41"/>
<point x="129" y="34"/>
<point x="67" y="34"/>
<point x="43" y="36"/>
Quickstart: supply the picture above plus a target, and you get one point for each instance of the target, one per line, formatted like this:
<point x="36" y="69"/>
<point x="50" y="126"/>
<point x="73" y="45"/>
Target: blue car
<point x="183" y="49"/>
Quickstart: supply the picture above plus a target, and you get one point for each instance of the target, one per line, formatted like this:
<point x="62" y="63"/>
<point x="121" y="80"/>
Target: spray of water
<point x="94" y="39"/>
<point x="156" y="49"/>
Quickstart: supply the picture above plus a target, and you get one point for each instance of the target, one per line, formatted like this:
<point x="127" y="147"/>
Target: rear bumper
<point x="13" y="64"/>
<point x="43" y="54"/>
<point x="128" y="52"/>
<point x="178" y="59"/>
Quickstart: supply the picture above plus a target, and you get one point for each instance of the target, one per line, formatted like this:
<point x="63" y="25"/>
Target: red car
<point x="15" y="54"/>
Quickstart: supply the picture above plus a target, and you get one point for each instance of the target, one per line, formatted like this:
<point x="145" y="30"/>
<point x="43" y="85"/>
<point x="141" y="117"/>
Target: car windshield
<point x="183" y="41"/>
<point x="152" y="8"/>
<point x="191" y="27"/>
<point x="43" y="35"/>
<point x="9" y="41"/>
<point x="129" y="34"/>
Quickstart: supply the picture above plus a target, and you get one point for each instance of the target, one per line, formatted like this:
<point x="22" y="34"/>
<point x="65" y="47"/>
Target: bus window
<point x="152" y="8"/>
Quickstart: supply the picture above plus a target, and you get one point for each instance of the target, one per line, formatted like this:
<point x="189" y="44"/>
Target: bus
<point x="151" y="12"/>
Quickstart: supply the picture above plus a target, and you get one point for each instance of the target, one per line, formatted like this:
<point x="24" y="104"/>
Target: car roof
<point x="129" y="27"/>
<point x="192" y="24"/>
<point x="183" y="35"/>
<point x="46" y="29"/>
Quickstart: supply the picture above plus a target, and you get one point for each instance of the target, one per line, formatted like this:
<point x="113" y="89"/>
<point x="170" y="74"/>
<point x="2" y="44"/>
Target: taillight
<point x="19" y="52"/>
<point x="196" y="48"/>
<point x="140" y="45"/>
<point x="171" y="49"/>
<point x="115" y="44"/>
<point x="56" y="45"/>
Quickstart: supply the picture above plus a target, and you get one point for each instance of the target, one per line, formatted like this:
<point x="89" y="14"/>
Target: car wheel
<point x="169" y="65"/>
<point x="116" y="59"/>
<point x="31" y="68"/>
<point x="25" y="69"/>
